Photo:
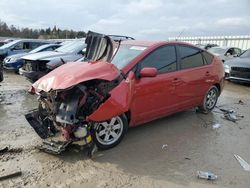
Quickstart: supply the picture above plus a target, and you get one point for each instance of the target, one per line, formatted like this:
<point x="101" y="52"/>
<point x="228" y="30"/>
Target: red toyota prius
<point x="121" y="85"/>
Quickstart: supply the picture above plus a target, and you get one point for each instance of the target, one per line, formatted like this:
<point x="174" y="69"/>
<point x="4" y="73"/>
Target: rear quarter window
<point x="207" y="57"/>
<point x="190" y="57"/>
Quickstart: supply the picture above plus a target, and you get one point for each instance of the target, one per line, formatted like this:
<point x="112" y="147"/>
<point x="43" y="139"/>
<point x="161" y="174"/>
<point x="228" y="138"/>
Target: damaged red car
<point x="121" y="85"/>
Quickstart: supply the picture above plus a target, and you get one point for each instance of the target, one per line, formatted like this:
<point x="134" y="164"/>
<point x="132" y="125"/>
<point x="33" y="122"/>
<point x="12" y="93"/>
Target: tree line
<point x="47" y="33"/>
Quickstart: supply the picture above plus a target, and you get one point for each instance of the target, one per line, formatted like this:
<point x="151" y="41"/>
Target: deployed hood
<point x="100" y="47"/>
<point x="71" y="74"/>
<point x="239" y="62"/>
<point x="43" y="55"/>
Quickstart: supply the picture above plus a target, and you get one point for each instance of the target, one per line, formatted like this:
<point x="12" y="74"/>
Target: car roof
<point x="153" y="43"/>
<point x="30" y="40"/>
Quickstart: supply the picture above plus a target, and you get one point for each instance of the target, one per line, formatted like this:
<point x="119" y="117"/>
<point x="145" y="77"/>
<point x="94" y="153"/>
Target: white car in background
<point x="225" y="53"/>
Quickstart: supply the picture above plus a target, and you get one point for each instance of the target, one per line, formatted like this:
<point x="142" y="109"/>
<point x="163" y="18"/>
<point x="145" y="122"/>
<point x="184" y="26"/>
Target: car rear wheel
<point x="1" y="75"/>
<point x="210" y="100"/>
<point x="109" y="133"/>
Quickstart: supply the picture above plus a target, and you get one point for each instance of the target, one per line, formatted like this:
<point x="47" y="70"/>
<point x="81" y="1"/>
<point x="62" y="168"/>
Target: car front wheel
<point x="109" y="133"/>
<point x="210" y="100"/>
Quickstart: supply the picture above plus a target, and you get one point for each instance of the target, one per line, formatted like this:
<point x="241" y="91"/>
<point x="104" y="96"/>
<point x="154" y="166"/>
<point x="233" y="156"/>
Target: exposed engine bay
<point x="67" y="111"/>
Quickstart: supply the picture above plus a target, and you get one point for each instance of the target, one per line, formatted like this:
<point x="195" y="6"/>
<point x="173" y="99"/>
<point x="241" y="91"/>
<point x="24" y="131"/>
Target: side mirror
<point x="228" y="54"/>
<point x="148" y="72"/>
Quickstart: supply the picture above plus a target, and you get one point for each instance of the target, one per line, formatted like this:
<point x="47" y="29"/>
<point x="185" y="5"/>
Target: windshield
<point x="245" y="54"/>
<point x="9" y="44"/>
<point x="72" y="47"/>
<point x="125" y="54"/>
<point x="38" y="49"/>
<point x="217" y="50"/>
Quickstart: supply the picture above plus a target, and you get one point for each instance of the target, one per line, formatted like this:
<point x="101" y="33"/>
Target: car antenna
<point x="180" y="34"/>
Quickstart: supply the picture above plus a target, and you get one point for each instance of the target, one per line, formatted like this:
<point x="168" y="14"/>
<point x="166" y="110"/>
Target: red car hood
<point x="74" y="73"/>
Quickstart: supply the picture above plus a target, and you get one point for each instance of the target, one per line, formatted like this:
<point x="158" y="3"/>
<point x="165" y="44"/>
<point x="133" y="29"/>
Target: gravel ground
<point x="140" y="160"/>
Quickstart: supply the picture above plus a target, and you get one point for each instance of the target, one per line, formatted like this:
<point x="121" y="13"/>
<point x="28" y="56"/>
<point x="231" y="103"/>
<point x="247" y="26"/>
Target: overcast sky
<point x="143" y="19"/>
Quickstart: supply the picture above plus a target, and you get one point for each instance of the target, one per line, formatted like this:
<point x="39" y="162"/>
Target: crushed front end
<point x="63" y="114"/>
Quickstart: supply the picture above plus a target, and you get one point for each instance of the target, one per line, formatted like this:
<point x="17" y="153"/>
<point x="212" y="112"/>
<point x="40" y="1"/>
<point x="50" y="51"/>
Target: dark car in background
<point x="238" y="69"/>
<point x="14" y="62"/>
<point x="1" y="72"/>
<point x="38" y="64"/>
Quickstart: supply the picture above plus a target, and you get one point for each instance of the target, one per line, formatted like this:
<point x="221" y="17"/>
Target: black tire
<point x="1" y="75"/>
<point x="210" y="100"/>
<point x="99" y="129"/>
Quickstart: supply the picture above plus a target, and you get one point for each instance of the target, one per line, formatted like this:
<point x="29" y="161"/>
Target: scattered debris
<point x="230" y="114"/>
<point x="53" y="147"/>
<point x="216" y="126"/>
<point x="3" y="150"/>
<point x="242" y="162"/>
<point x="10" y="150"/>
<point x="206" y="175"/>
<point x="240" y="102"/>
<point x="164" y="146"/>
<point x="7" y="175"/>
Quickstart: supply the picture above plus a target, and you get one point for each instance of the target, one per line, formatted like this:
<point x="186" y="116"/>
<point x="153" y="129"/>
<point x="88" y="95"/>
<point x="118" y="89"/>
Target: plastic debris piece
<point x="206" y="175"/>
<point x="164" y="146"/>
<point x="240" y="102"/>
<point x="216" y="126"/>
<point x="242" y="162"/>
<point x="231" y="117"/>
<point x="4" y="150"/>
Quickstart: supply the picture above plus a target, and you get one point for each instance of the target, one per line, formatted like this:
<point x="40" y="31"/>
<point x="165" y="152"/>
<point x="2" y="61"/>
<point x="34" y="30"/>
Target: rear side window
<point x="34" y="45"/>
<point x="208" y="57"/>
<point x="163" y="59"/>
<point x="27" y="45"/>
<point x="190" y="57"/>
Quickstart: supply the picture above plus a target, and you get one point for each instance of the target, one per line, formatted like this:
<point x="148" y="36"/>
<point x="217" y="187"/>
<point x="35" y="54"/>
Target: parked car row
<point x="13" y="54"/>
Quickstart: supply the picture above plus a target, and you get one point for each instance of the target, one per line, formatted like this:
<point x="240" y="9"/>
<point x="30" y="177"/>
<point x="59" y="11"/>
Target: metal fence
<point x="242" y="41"/>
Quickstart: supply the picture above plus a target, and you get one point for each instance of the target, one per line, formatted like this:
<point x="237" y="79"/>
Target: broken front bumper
<point x="43" y="127"/>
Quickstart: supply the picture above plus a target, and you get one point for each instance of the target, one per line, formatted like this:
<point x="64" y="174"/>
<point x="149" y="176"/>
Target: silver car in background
<point x="38" y="64"/>
<point x="225" y="53"/>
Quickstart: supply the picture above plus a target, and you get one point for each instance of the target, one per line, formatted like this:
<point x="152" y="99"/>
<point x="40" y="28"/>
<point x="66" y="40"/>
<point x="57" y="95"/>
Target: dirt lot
<point x="139" y="161"/>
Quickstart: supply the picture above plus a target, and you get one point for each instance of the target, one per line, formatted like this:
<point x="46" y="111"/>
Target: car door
<point x="193" y="77"/>
<point x="154" y="97"/>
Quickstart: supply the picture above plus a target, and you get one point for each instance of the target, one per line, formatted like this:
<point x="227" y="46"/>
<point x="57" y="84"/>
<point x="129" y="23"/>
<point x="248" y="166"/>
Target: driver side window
<point x="163" y="59"/>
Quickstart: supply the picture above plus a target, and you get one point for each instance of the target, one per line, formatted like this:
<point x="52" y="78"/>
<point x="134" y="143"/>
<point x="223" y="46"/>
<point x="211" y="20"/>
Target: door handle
<point x="207" y="73"/>
<point x="176" y="81"/>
